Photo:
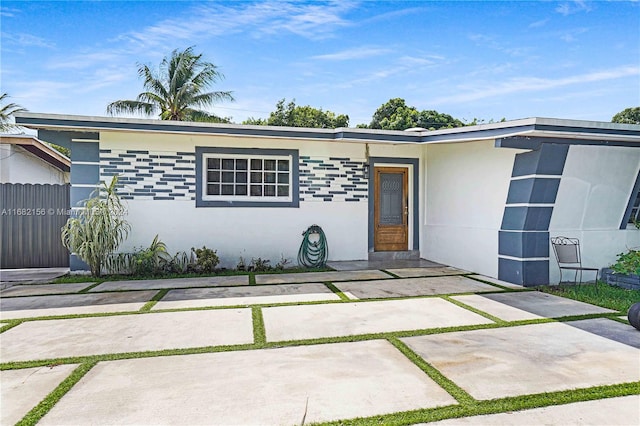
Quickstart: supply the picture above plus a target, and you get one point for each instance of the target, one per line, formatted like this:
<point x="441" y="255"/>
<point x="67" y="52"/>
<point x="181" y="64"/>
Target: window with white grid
<point x="247" y="177"/>
<point x="240" y="177"/>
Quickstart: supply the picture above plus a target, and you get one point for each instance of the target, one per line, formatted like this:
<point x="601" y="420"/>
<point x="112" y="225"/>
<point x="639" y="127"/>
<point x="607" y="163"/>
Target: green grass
<point x="38" y="412"/>
<point x="494" y="406"/>
<point x="602" y="294"/>
<point x="69" y="278"/>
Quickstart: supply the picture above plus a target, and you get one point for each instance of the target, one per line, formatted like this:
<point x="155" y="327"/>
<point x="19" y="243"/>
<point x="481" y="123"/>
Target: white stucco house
<point x="483" y="198"/>
<point x="25" y="159"/>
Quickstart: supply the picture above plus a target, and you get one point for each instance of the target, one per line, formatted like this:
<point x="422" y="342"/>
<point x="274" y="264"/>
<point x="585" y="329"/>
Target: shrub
<point x="260" y="265"/>
<point x="628" y="263"/>
<point x="282" y="265"/>
<point x="241" y="266"/>
<point x="98" y="228"/>
<point x="152" y="260"/>
<point x="206" y="259"/>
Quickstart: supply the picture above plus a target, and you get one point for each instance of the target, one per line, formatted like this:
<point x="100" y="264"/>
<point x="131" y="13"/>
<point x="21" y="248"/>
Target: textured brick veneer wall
<point x="171" y="176"/>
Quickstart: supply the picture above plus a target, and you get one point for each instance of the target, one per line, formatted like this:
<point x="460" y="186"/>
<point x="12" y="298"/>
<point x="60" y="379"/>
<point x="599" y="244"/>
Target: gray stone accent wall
<point x="332" y="179"/>
<point x="150" y="175"/>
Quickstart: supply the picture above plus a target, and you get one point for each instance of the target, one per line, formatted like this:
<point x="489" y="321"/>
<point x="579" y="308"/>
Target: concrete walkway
<point x="229" y="356"/>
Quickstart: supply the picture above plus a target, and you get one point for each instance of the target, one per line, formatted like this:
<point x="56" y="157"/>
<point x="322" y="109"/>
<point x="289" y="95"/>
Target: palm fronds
<point x="177" y="91"/>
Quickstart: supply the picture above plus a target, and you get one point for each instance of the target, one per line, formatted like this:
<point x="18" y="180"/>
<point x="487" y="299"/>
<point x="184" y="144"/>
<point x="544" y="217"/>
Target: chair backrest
<point x="567" y="250"/>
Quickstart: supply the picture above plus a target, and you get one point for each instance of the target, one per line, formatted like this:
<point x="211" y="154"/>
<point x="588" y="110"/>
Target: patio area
<point x="399" y="345"/>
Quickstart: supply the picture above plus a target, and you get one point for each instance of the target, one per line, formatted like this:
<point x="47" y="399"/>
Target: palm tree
<point x="6" y="111"/>
<point x="177" y="91"/>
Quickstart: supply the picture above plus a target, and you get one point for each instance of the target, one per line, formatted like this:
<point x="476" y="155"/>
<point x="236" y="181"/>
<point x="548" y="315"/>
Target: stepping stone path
<point x="528" y="359"/>
<point x="412" y="287"/>
<point x="23" y="389"/>
<point x="172" y="283"/>
<point x="73" y="304"/>
<point x="276" y="386"/>
<point x="346" y="319"/>
<point x="274" y="382"/>
<point x="43" y="289"/>
<point x="39" y="340"/>
<point x="320" y="276"/>
<point x="245" y="295"/>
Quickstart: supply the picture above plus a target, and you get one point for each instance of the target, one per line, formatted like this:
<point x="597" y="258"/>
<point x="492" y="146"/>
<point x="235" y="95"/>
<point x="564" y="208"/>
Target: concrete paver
<point x="31" y="275"/>
<point x="68" y="304"/>
<point x="425" y="286"/>
<point x="38" y="340"/>
<point x="614" y="330"/>
<point x="499" y="282"/>
<point x="529" y="359"/>
<point x="230" y="280"/>
<point x="545" y="305"/>
<point x="305" y="277"/>
<point x="497" y="309"/>
<point x="276" y="386"/>
<point x="43" y="289"/>
<point x="427" y="272"/>
<point x="357" y="265"/>
<point x="345" y="319"/>
<point x="612" y="411"/>
<point x="22" y="390"/>
<point x="245" y="295"/>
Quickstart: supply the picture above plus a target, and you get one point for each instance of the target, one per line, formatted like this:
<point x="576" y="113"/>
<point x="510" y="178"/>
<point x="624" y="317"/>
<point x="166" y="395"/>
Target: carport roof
<point x="39" y="149"/>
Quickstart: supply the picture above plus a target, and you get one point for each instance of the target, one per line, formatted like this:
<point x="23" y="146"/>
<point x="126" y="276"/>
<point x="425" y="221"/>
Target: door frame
<point x="380" y="232"/>
<point x="413" y="191"/>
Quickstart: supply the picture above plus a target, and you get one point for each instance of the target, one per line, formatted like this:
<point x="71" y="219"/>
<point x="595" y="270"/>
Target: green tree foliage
<point x="98" y="228"/>
<point x="6" y="113"/>
<point x="627" y="116"/>
<point x="292" y="115"/>
<point x="397" y="115"/>
<point x="177" y="91"/>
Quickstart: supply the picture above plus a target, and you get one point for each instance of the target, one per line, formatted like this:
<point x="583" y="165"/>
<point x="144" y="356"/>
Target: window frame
<point x="633" y="198"/>
<point x="204" y="200"/>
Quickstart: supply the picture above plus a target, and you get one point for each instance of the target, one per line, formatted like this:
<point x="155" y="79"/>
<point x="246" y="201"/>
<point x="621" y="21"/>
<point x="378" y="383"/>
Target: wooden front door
<point x="391" y="209"/>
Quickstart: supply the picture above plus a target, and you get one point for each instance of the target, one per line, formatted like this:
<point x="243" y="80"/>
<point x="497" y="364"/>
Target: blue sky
<point x="516" y="59"/>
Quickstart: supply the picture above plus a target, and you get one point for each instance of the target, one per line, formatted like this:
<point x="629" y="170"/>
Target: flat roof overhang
<point x="551" y="129"/>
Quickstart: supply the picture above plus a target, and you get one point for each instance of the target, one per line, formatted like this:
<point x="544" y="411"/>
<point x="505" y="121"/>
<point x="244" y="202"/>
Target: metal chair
<point x="567" y="252"/>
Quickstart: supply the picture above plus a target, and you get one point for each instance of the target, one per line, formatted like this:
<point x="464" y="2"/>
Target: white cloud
<point x="538" y="24"/>
<point x="570" y="36"/>
<point x="24" y="40"/>
<point x="490" y="42"/>
<point x="88" y="60"/>
<point x="534" y="84"/>
<point x="355" y="53"/>
<point x="8" y="11"/>
<point x="571" y="7"/>
<point x="309" y="20"/>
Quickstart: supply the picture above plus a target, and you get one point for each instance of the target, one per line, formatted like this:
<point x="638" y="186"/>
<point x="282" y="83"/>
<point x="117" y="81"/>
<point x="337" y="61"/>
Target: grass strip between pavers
<point x="467" y="406"/>
<point x="88" y="288"/>
<point x="9" y="325"/>
<point x="259" y="343"/>
<point x="502" y="287"/>
<point x="474" y="310"/>
<point x="39" y="411"/>
<point x="259" y="332"/>
<point x="391" y="273"/>
<point x="494" y="406"/>
<point x="454" y="390"/>
<point x="151" y="303"/>
<point x="337" y="291"/>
